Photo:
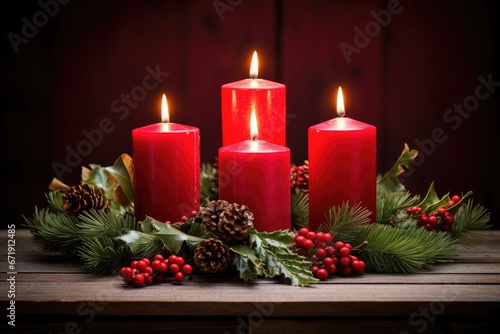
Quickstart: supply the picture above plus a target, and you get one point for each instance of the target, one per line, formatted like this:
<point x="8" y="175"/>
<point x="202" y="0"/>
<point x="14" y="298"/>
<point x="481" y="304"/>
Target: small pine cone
<point x="83" y="197"/>
<point x="235" y="222"/>
<point x="212" y="255"/>
<point x="211" y="213"/>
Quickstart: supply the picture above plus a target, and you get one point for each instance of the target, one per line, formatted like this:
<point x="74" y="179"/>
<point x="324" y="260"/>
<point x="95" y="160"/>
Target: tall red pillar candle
<point x="342" y="165"/>
<point x="166" y="170"/>
<point x="256" y="173"/>
<point x="266" y="97"/>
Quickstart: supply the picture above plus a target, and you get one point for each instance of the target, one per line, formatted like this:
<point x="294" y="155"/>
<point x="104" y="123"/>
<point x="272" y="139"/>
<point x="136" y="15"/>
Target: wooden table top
<point x="50" y="287"/>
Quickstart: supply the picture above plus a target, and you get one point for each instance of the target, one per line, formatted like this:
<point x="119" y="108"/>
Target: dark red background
<point x="427" y="58"/>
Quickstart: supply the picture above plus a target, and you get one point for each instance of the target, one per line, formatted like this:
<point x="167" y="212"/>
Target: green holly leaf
<point x="389" y="182"/>
<point x="121" y="171"/>
<point x="247" y="262"/>
<point x="173" y="238"/>
<point x="100" y="178"/>
<point x="274" y="250"/>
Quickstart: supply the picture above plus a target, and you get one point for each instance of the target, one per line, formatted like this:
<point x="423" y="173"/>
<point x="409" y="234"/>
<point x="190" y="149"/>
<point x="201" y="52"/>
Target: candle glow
<point x="164" y="110"/>
<point x="254" y="66"/>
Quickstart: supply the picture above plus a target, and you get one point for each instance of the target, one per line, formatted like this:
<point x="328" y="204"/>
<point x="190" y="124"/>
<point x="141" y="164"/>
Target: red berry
<point x="308" y="244"/>
<point x="174" y="268"/>
<point x="180" y="261"/>
<point x="345" y="261"/>
<point x="445" y="227"/>
<point x="145" y="259"/>
<point x="303" y="231"/>
<point x="455" y="198"/>
<point x="346" y="270"/>
<point x="448" y="219"/>
<point x="171" y="258"/>
<point x="127" y="272"/>
<point x="348" y="245"/>
<point x="148" y="271"/>
<point x="159" y="278"/>
<point x="328" y="238"/>
<point x="311" y="235"/>
<point x="353" y="258"/>
<point x="418" y="209"/>
<point x="302" y="251"/>
<point x="451" y="203"/>
<point x="321" y="252"/>
<point x="179" y="276"/>
<point x="320" y="236"/>
<point x="429" y="227"/>
<point x="141" y="266"/>
<point x="423" y="220"/>
<point x="138" y="280"/>
<point x="409" y="210"/>
<point x="322" y="274"/>
<point x="133" y="264"/>
<point x="344" y="251"/>
<point x="335" y="260"/>
<point x="314" y="270"/>
<point x="319" y="243"/>
<point x="328" y="261"/>
<point x="432" y="220"/>
<point x="187" y="269"/>
<point x="331" y="269"/>
<point x="164" y="267"/>
<point x="441" y="211"/>
<point x="148" y="279"/>
<point x="330" y="250"/>
<point x="314" y="258"/>
<point x="358" y="266"/>
<point x="159" y="257"/>
<point x="156" y="265"/>
<point x="299" y="240"/>
<point x="339" y="244"/>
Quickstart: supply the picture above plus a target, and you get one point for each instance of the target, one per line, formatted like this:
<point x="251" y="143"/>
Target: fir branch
<point x="208" y="189"/>
<point x="470" y="217"/>
<point x="55" y="201"/>
<point x="345" y="216"/>
<point x="54" y="231"/>
<point x="410" y="251"/>
<point x="390" y="205"/>
<point x="104" y="255"/>
<point x="99" y="224"/>
<point x="300" y="209"/>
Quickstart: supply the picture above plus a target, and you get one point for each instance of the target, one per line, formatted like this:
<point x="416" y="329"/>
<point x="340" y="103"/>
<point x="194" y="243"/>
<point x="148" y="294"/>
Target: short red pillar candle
<point x="256" y="173"/>
<point x="342" y="165"/>
<point x="166" y="169"/>
<point x="267" y="98"/>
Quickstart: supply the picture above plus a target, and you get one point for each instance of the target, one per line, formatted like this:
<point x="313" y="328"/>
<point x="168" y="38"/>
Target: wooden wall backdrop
<point x="80" y="65"/>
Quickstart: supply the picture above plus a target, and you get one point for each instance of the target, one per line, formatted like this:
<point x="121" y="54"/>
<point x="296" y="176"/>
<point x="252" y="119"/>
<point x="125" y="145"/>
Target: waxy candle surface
<point x="256" y="173"/>
<point x="166" y="171"/>
<point x="342" y="167"/>
<point x="266" y="98"/>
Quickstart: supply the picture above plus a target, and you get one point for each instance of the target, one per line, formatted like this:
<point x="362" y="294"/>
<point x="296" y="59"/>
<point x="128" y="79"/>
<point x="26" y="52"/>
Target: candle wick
<point x="254" y="138"/>
<point x="341" y="113"/>
<point x="253" y="76"/>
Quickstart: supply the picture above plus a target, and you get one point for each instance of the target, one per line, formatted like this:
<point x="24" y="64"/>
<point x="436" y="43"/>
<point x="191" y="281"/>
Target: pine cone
<point x="83" y="197"/>
<point x="211" y="255"/>
<point x="210" y="214"/>
<point x="235" y="222"/>
<point x="299" y="176"/>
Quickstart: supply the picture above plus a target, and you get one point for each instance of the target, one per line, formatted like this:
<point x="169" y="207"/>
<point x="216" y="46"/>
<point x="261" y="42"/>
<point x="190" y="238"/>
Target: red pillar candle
<point x="266" y="97"/>
<point x="166" y="169"/>
<point x="256" y="173"/>
<point x="342" y="165"/>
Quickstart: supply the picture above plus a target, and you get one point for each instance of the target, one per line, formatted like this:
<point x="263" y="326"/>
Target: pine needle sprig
<point x="104" y="256"/>
<point x="54" y="232"/>
<point x="344" y="217"/>
<point x="469" y="218"/>
<point x="390" y="205"/>
<point x="300" y="209"/>
<point x="55" y="201"/>
<point x="392" y="250"/>
<point x="208" y="189"/>
<point x="99" y="224"/>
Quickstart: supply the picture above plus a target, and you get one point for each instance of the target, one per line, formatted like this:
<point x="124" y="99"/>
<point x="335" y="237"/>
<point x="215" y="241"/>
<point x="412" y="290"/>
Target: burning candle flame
<point x="254" y="67"/>
<point x="254" y="131"/>
<point x="164" y="110"/>
<point x="340" y="103"/>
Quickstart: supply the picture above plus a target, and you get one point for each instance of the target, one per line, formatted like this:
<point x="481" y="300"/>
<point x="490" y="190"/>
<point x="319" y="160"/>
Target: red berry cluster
<point x="441" y="220"/>
<point x="328" y="258"/>
<point x="146" y="272"/>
